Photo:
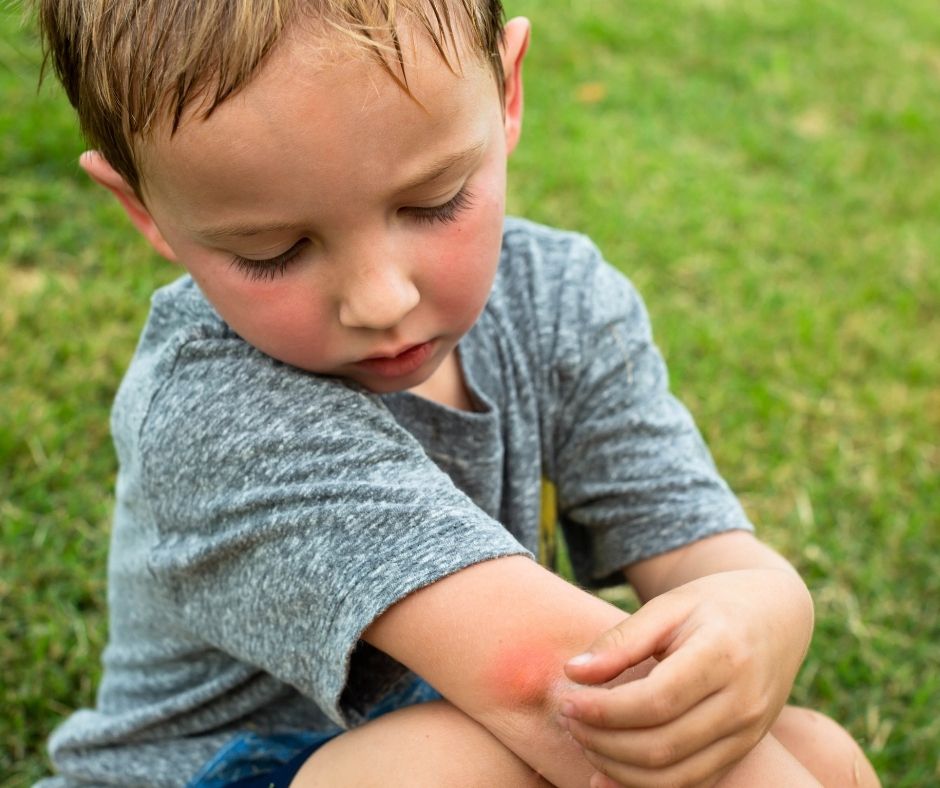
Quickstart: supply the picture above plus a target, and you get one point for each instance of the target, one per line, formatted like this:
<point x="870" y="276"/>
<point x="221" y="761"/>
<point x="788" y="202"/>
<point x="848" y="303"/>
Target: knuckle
<point x="755" y="712"/>
<point x="618" y="636"/>
<point x="662" y="706"/>
<point x="612" y="640"/>
<point x="584" y="737"/>
<point x="597" y="714"/>
<point x="675" y="782"/>
<point x="737" y="654"/>
<point x="661" y="754"/>
<point x="597" y="762"/>
<point x="752" y="715"/>
<point x="690" y="781"/>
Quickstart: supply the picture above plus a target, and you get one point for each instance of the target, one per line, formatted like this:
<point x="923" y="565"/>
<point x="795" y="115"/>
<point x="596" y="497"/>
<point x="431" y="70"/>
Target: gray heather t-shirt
<point x="266" y="516"/>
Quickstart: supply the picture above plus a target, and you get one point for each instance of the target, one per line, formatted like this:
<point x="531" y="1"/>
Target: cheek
<point x="274" y="317"/>
<point x="467" y="257"/>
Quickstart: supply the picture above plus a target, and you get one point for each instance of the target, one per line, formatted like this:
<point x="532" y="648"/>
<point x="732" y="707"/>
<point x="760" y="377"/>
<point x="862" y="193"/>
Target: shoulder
<point x="541" y="268"/>
<point x="194" y="382"/>
<point x="559" y="282"/>
<point x="551" y="263"/>
<point x="179" y="315"/>
<point x="551" y="250"/>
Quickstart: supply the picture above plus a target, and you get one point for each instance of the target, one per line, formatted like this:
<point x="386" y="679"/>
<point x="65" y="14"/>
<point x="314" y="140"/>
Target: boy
<point x="321" y="497"/>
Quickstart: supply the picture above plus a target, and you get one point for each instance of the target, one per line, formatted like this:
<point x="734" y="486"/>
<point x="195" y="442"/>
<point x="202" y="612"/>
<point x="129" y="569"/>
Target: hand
<point x="729" y="646"/>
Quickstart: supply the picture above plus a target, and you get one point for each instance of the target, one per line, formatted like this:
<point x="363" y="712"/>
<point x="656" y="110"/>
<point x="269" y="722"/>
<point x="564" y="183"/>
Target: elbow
<point x="525" y="683"/>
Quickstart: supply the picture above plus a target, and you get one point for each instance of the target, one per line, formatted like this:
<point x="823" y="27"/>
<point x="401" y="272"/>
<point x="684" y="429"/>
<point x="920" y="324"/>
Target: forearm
<point x="493" y="639"/>
<point x="544" y="745"/>
<point x="534" y="731"/>
<point x="728" y="552"/>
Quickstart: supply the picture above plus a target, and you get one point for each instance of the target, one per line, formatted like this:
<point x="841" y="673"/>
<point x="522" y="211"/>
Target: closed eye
<point x="447" y="212"/>
<point x="272" y="268"/>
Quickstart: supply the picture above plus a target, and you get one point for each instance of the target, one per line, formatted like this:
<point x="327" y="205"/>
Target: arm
<point x="727" y="552"/>
<point x="493" y="639"/>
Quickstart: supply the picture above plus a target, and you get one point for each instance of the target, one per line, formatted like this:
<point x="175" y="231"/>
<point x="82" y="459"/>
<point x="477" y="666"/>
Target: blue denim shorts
<point x="251" y="760"/>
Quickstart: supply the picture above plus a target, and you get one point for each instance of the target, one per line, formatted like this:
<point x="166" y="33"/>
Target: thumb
<point x="629" y="643"/>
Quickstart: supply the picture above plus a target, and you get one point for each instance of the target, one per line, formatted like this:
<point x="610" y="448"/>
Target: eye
<point x="447" y="212"/>
<point x="272" y="268"/>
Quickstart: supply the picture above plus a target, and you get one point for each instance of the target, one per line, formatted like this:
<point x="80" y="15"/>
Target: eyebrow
<point x="427" y="175"/>
<point x="224" y="231"/>
<point x="442" y="167"/>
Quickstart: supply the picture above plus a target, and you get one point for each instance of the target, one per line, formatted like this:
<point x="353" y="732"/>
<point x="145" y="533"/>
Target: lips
<point x="400" y="365"/>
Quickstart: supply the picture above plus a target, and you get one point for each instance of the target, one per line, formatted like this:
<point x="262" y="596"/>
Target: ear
<point x="101" y="172"/>
<point x="513" y="49"/>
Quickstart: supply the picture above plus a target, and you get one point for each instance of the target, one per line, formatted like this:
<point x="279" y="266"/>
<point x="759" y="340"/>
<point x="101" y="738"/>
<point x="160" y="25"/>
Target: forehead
<point x="318" y="97"/>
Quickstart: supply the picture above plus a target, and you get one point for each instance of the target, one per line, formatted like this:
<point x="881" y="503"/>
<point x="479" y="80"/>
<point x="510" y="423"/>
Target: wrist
<point x="804" y="607"/>
<point x="785" y="606"/>
<point x="771" y="603"/>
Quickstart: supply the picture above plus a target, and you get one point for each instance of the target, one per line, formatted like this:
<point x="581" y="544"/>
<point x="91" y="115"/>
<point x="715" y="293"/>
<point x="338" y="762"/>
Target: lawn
<point x="768" y="173"/>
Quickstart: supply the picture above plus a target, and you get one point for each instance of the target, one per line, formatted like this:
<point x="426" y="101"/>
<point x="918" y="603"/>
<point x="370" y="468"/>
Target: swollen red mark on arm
<point x="521" y="674"/>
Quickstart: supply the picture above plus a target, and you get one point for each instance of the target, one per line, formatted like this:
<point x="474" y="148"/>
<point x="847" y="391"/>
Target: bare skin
<point x="424" y="746"/>
<point x="435" y="744"/>
<point x="825" y="748"/>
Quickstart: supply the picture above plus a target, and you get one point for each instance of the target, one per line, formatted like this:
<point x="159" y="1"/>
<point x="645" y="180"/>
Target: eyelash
<point x="447" y="212"/>
<point x="268" y="270"/>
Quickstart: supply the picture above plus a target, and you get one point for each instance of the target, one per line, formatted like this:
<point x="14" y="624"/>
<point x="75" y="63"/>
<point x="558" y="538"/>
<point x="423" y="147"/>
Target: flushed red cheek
<point x="289" y="324"/>
<point x="464" y="280"/>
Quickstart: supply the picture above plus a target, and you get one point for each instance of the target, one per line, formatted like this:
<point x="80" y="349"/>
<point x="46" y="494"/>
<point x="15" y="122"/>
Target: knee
<point x="428" y="744"/>
<point x="825" y="748"/>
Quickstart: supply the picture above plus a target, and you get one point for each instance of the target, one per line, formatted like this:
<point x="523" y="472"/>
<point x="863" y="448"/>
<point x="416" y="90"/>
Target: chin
<point x="391" y="386"/>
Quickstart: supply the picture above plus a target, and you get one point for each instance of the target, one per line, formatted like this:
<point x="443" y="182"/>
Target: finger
<point x="642" y="635"/>
<point x="665" y="745"/>
<point x="601" y="780"/>
<point x="705" y="767"/>
<point x="675" y="685"/>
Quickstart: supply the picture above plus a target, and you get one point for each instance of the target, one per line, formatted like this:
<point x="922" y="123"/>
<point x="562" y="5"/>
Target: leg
<point x="769" y="763"/>
<point x="807" y="745"/>
<point x="825" y="748"/>
<point x="422" y="746"/>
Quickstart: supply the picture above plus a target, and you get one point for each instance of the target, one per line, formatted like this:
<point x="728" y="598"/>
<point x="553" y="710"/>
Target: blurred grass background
<point x="768" y="173"/>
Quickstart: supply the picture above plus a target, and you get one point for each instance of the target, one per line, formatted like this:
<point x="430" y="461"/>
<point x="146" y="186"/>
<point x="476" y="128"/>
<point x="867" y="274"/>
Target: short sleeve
<point x="291" y="510"/>
<point x="634" y="476"/>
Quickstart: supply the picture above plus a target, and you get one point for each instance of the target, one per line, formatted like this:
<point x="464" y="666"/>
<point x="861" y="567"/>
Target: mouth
<point x="399" y="364"/>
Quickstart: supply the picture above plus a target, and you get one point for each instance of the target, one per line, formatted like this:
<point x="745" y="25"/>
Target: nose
<point x="377" y="296"/>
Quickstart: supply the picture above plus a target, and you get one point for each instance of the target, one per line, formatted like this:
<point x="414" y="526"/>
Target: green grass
<point x="768" y="173"/>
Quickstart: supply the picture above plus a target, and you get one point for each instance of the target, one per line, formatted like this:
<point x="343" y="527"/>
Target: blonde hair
<point x="129" y="66"/>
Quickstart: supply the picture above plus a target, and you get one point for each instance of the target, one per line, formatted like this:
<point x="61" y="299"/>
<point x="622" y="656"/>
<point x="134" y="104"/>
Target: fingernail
<point x="581" y="659"/>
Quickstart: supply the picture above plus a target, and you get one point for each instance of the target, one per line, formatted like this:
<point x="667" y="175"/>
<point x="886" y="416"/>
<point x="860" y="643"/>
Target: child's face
<point x="332" y="221"/>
